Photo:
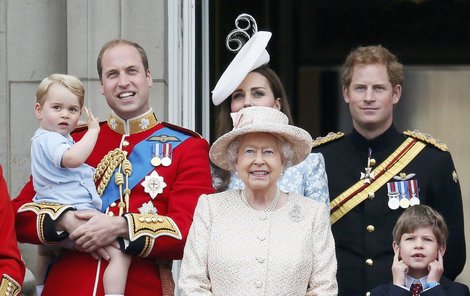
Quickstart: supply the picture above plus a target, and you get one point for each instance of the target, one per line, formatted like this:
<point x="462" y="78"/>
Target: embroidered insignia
<point x="331" y="136"/>
<point x="455" y="177"/>
<point x="296" y="213"/>
<point x="148" y="208"/>
<point x="404" y="176"/>
<point x="113" y="124"/>
<point x="164" y="139"/>
<point x="427" y="138"/>
<point x="153" y="184"/>
<point x="144" y="123"/>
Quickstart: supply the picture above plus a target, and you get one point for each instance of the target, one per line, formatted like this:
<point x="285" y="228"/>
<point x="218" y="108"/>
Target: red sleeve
<point x="26" y="221"/>
<point x="11" y="263"/>
<point x="192" y="178"/>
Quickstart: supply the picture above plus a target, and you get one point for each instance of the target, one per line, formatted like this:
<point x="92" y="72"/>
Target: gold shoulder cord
<point x="115" y="159"/>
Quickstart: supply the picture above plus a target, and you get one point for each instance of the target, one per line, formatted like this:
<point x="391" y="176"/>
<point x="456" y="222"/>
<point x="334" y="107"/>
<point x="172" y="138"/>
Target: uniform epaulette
<point x="427" y="138"/>
<point x="182" y="129"/>
<point x="331" y="136"/>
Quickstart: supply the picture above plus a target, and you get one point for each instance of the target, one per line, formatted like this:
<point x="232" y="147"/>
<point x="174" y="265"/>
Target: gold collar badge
<point x="134" y="125"/>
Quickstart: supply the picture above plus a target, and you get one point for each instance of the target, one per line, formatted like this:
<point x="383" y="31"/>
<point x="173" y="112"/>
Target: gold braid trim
<point x="151" y="225"/>
<point x="116" y="159"/>
<point x="106" y="167"/>
<point x="426" y="138"/>
<point x="54" y="210"/>
<point x="9" y="287"/>
<point x="328" y="138"/>
<point x="148" y="245"/>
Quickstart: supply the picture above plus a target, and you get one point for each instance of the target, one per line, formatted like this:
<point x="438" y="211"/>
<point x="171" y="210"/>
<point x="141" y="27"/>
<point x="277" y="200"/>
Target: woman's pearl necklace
<point x="271" y="206"/>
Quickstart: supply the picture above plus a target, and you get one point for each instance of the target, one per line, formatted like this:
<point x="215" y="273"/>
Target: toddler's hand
<point x="92" y="122"/>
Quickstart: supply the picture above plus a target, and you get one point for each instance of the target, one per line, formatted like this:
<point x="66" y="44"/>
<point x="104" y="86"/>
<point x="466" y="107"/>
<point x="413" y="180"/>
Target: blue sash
<point x="140" y="159"/>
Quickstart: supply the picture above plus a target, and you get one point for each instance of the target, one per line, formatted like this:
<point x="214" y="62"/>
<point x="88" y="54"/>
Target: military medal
<point x="167" y="154"/>
<point x="155" y="161"/>
<point x="393" y="196"/>
<point x="404" y="201"/>
<point x="153" y="184"/>
<point x="413" y="185"/>
<point x="148" y="208"/>
<point x="393" y="203"/>
<point x="368" y="175"/>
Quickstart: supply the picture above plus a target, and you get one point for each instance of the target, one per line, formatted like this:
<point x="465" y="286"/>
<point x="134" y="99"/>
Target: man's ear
<point x="396" y="94"/>
<point x="346" y="94"/>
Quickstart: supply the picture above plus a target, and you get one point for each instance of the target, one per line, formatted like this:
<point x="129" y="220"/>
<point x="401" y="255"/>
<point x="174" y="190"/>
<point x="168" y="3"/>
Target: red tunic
<point x="186" y="179"/>
<point x="11" y="265"/>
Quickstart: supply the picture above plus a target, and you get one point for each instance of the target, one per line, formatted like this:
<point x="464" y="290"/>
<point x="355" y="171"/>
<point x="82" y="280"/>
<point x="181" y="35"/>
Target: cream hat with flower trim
<point x="261" y="120"/>
<point x="250" y="56"/>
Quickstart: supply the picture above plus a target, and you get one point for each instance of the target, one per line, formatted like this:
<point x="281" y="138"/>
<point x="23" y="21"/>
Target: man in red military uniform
<point x="149" y="175"/>
<point x="11" y="265"/>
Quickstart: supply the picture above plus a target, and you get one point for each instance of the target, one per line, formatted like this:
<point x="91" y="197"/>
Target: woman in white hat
<point x="248" y="81"/>
<point x="259" y="240"/>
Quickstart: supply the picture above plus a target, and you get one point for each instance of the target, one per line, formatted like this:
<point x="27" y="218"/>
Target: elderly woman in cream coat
<point x="259" y="240"/>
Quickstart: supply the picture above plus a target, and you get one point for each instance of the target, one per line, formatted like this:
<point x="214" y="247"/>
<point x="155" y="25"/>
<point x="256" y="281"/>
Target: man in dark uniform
<point x="375" y="172"/>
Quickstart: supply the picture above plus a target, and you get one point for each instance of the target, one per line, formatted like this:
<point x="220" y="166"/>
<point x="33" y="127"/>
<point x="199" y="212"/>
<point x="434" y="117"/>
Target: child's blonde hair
<point x="72" y="83"/>
<point x="421" y="216"/>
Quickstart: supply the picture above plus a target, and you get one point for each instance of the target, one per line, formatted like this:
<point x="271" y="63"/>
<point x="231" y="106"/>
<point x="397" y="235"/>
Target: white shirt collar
<point x="410" y="280"/>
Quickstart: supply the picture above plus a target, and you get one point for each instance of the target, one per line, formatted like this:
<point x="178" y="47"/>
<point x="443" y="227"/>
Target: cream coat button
<point x="370" y="228"/>
<point x="370" y="262"/>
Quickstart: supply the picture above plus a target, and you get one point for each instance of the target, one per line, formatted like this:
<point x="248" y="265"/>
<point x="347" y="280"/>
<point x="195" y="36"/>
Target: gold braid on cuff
<point x="9" y="286"/>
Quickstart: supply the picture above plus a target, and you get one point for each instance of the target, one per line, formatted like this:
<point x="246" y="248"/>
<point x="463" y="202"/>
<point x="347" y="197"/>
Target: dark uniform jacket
<point x="364" y="235"/>
<point x="446" y="288"/>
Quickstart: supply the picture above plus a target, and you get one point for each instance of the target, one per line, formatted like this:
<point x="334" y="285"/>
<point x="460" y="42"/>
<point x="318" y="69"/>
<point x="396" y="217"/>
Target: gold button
<point x="372" y="162"/>
<point x="370" y="262"/>
<point x="368" y="294"/>
<point x="370" y="228"/>
<point x="125" y="143"/>
<point x="371" y="195"/>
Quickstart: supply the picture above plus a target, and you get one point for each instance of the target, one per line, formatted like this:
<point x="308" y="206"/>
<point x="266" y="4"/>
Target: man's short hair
<point x="368" y="55"/>
<point x="115" y="42"/>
